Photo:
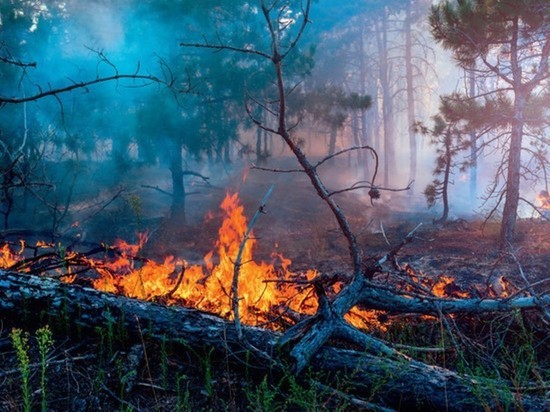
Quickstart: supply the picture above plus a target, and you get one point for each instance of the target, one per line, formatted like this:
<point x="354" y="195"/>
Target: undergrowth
<point x="51" y="371"/>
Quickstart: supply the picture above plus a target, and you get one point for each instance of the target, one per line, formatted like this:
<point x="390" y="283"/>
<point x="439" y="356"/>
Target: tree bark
<point x="387" y="102"/>
<point x="411" y="115"/>
<point x="401" y="384"/>
<point x="178" y="189"/>
<point x="510" y="211"/>
<point x="473" y="145"/>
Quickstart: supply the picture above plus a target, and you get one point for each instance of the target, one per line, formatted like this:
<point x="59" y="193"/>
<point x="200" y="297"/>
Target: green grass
<point x="20" y="342"/>
<point x="507" y="351"/>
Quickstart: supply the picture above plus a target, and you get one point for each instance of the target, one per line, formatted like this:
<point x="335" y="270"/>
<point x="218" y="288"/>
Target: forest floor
<point x="99" y="372"/>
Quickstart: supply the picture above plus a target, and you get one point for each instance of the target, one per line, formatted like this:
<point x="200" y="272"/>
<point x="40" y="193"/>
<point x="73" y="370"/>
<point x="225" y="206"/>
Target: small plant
<point x="263" y="398"/>
<point x="45" y="342"/>
<point x="304" y="398"/>
<point x="20" y="341"/>
<point x="184" y="402"/>
<point x="164" y="361"/>
<point x="110" y="331"/>
<point x="208" y="383"/>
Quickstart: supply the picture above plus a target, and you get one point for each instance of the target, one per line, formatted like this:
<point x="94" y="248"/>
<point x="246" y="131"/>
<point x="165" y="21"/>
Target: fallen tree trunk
<point x="400" y="384"/>
<point x="312" y="333"/>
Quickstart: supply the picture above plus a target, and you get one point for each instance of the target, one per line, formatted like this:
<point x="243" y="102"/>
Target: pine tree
<point x="449" y="142"/>
<point x="507" y="44"/>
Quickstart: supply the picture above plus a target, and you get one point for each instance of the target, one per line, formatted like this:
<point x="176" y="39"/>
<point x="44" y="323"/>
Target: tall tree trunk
<point x="178" y="188"/>
<point x="473" y="145"/>
<point x="367" y="128"/>
<point x="509" y="214"/>
<point x="355" y="134"/>
<point x="446" y="177"/>
<point x="332" y="142"/>
<point x="259" y="154"/>
<point x="387" y="103"/>
<point x="227" y="152"/>
<point x="410" y="94"/>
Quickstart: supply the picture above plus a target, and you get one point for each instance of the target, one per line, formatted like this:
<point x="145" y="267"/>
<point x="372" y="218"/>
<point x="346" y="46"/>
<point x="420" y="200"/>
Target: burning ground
<point x="295" y="242"/>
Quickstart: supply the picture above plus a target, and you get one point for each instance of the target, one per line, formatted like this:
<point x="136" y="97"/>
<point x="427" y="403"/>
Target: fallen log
<point x="399" y="384"/>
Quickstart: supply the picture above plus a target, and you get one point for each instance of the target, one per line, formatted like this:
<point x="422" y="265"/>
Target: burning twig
<point x="178" y="283"/>
<point x="237" y="265"/>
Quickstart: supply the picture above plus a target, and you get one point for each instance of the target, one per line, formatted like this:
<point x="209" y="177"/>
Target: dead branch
<point x="390" y="256"/>
<point x="80" y="85"/>
<point x="206" y="179"/>
<point x="266" y="169"/>
<point x="16" y="62"/>
<point x="220" y="47"/>
<point x="158" y="189"/>
<point x="237" y="265"/>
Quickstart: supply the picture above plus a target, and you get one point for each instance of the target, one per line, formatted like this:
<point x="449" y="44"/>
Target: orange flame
<point x="446" y="287"/>
<point x="7" y="257"/>
<point x="543" y="198"/>
<point x="207" y="286"/>
<point x="265" y="290"/>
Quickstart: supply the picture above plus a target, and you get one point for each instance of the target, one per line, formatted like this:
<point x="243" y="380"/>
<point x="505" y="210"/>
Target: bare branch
<point x="17" y="62"/>
<point x="78" y="85"/>
<point x="158" y="189"/>
<point x="196" y="174"/>
<point x="358" y="185"/>
<point x="220" y="47"/>
<point x="266" y="169"/>
<point x="237" y="265"/>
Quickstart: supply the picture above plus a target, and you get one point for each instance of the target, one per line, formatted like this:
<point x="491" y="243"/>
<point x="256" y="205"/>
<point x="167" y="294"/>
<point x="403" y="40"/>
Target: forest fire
<point x="543" y="199"/>
<point x="207" y="286"/>
<point x="267" y="291"/>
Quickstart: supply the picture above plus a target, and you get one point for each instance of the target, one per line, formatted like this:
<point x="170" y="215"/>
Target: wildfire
<point x="7" y="257"/>
<point x="543" y="198"/>
<point x="208" y="286"/>
<point x="266" y="291"/>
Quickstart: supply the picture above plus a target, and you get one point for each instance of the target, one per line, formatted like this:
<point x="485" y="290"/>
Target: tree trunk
<point x="387" y="103"/>
<point x="260" y="159"/>
<point x="510" y="212"/>
<point x="366" y="126"/>
<point x="410" y="95"/>
<point x="356" y="138"/>
<point x="403" y="384"/>
<point x="332" y="142"/>
<point x="446" y="176"/>
<point x="178" y="188"/>
<point x="473" y="146"/>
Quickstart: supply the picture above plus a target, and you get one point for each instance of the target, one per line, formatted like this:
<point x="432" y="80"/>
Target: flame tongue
<point x="7" y="257"/>
<point x="207" y="286"/>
